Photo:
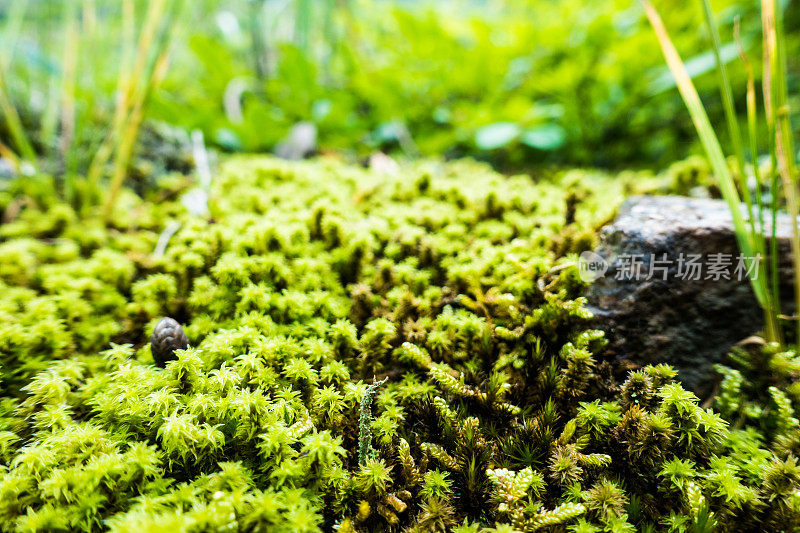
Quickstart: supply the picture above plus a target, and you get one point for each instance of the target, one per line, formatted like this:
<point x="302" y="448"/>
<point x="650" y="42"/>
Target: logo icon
<point x="591" y="266"/>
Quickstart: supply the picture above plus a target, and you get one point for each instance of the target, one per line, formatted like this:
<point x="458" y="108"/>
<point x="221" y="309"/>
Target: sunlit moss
<point x="310" y="284"/>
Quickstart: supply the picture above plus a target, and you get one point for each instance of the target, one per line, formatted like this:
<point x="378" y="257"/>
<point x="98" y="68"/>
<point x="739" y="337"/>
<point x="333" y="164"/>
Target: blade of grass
<point x="7" y="154"/>
<point x="11" y="31"/>
<point x="769" y="111"/>
<point x="123" y="94"/>
<point x="784" y="151"/>
<point x="773" y="309"/>
<point x="125" y="150"/>
<point x="132" y="66"/>
<point x="152" y="41"/>
<point x="752" y="121"/>
<point x="728" y="106"/>
<point x="710" y="143"/>
<point x="69" y="69"/>
<point x="14" y="123"/>
<point x="154" y="78"/>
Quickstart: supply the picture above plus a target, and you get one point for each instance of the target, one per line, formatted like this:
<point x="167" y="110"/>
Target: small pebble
<point x="167" y="337"/>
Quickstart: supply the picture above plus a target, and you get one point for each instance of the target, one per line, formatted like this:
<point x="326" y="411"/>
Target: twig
<point x="365" y="419"/>
<point x="166" y="235"/>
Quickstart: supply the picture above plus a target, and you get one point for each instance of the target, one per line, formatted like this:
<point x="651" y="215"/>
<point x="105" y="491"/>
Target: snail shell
<point x="167" y="337"/>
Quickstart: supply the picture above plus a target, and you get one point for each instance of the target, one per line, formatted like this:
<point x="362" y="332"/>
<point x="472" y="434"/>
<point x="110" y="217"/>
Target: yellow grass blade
<point x="709" y="141"/>
<point x="784" y="151"/>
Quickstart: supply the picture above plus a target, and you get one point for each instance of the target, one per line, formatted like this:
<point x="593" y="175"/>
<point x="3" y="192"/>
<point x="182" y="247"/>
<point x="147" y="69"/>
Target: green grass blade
<point x="730" y="111"/>
<point x="769" y="111"/>
<point x="123" y="97"/>
<point x="725" y="88"/>
<point x="158" y="44"/>
<point x="710" y="143"/>
<point x="15" y="124"/>
<point x="765" y="267"/>
<point x="784" y="150"/>
<point x="10" y="32"/>
<point x="69" y="73"/>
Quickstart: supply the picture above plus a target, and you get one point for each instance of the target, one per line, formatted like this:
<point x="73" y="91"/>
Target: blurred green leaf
<point x="545" y="137"/>
<point x="227" y="139"/>
<point x="497" y="135"/>
<point x="321" y="109"/>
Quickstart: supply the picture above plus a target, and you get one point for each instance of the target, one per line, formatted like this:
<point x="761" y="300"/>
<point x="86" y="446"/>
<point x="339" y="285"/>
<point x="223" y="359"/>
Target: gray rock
<point x="668" y="313"/>
<point x="299" y="143"/>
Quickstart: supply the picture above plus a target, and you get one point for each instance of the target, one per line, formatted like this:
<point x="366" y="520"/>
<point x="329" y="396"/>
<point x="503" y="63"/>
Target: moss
<point x="309" y="281"/>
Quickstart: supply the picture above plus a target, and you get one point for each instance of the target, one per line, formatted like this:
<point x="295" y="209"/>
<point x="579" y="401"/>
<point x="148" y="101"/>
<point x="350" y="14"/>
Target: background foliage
<point x="515" y="82"/>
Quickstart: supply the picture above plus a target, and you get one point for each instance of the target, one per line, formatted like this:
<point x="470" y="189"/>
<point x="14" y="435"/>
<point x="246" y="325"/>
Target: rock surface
<point x="668" y="312"/>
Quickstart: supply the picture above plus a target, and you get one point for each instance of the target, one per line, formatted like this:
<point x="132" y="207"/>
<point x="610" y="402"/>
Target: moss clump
<point x="308" y="282"/>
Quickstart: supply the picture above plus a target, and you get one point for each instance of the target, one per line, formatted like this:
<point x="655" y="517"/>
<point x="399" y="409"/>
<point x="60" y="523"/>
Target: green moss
<point x="308" y="282"/>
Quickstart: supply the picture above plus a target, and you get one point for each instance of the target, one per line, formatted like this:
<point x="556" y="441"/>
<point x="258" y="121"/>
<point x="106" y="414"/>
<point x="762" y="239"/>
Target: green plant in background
<point x="526" y="87"/>
<point x="68" y="128"/>
<point x="750" y="228"/>
<point x="516" y="83"/>
<point x="22" y="144"/>
<point x="140" y="73"/>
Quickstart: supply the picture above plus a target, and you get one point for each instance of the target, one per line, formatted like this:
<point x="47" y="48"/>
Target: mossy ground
<point x="309" y="282"/>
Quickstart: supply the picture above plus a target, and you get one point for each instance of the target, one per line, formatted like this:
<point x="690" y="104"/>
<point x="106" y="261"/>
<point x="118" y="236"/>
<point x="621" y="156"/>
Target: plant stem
<point x="728" y="106"/>
<point x="784" y="151"/>
<point x="132" y="69"/>
<point x="128" y="141"/>
<point x="771" y="312"/>
<point x="11" y="30"/>
<point x="70" y="61"/>
<point x="365" y="450"/>
<point x="15" y="124"/>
